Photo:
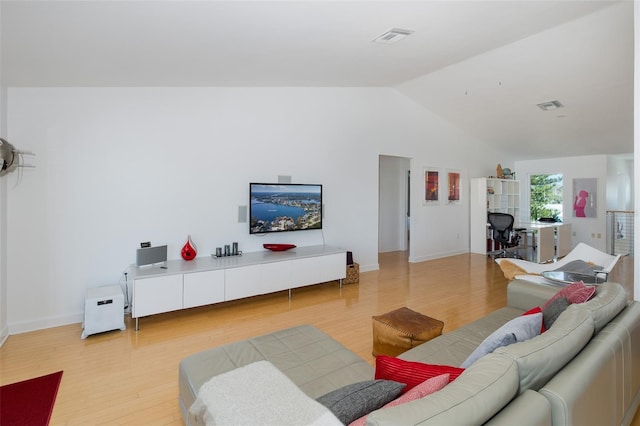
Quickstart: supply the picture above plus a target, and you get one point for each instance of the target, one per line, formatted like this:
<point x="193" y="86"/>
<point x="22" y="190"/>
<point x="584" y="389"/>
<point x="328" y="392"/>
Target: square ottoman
<point x="398" y="331"/>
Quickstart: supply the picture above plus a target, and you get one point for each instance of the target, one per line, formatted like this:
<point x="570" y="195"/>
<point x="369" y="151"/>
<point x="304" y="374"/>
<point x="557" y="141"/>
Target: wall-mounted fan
<point x="10" y="157"/>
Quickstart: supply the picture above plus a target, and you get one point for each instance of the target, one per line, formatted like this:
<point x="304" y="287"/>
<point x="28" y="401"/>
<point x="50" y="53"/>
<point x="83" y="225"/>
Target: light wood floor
<point x="130" y="378"/>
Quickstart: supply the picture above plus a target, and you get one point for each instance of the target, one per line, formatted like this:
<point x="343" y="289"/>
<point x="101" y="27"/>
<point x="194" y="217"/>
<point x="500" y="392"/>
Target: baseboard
<point x="43" y="323"/>
<point x="416" y="259"/>
<point x="367" y="268"/>
<point x="4" y="335"/>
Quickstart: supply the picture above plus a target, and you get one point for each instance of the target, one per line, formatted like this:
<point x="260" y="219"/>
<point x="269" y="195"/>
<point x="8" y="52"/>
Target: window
<point x="546" y="196"/>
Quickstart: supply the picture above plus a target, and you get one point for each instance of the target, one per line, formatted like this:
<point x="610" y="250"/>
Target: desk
<point x="554" y="239"/>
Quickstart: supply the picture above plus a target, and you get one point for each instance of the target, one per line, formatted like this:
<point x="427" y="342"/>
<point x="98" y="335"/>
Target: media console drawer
<point x="253" y="280"/>
<point x="203" y="288"/>
<point x="156" y="295"/>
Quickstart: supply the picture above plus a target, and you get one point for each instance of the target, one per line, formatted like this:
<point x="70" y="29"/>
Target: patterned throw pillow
<point x="575" y="293"/>
<point x="423" y="389"/>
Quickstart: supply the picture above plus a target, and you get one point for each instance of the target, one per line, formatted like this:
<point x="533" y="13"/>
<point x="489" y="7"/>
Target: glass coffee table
<point x="567" y="277"/>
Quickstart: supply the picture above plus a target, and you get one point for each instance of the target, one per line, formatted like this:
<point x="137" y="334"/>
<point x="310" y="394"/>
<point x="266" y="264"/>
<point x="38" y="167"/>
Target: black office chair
<point x="504" y="234"/>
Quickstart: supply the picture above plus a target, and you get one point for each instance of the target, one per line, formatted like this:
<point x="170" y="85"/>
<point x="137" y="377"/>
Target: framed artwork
<point x="454" y="183"/>
<point x="585" y="197"/>
<point x="431" y="186"/>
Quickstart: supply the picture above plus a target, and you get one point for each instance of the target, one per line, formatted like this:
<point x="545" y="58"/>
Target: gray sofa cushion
<point x="453" y="347"/>
<point x="525" y="295"/>
<point x="610" y="299"/>
<point x="542" y="357"/>
<point x="529" y="405"/>
<point x="473" y="398"/>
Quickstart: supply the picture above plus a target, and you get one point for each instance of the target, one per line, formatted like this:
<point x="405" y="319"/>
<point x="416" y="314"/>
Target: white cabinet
<point x="203" y="288"/>
<point x="156" y="294"/>
<point x="490" y="195"/>
<point x="203" y="281"/>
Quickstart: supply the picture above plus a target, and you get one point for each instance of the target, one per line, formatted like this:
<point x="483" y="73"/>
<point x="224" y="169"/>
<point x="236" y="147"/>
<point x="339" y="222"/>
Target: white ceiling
<point x="483" y="65"/>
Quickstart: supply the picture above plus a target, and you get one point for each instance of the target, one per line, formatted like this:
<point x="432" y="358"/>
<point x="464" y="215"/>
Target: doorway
<point x="394" y="201"/>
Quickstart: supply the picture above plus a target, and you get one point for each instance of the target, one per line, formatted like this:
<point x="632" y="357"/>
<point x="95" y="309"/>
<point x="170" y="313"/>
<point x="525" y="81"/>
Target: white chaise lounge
<point x="531" y="271"/>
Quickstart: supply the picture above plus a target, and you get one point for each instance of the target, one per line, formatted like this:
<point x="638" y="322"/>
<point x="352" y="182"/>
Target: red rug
<point x="29" y="402"/>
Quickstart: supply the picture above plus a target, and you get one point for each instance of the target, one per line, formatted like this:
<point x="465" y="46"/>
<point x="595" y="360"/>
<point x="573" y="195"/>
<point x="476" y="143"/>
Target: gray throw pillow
<point x="518" y="329"/>
<point x="359" y="399"/>
<point x="553" y="311"/>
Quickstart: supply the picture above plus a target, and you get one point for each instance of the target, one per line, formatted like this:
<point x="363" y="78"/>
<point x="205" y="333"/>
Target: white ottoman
<point x="103" y="310"/>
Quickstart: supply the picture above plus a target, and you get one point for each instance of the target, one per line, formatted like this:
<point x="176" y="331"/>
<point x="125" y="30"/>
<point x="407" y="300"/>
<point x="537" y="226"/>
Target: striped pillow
<point x="411" y="373"/>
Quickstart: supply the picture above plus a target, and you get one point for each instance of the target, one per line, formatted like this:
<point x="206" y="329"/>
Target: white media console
<point x="180" y="284"/>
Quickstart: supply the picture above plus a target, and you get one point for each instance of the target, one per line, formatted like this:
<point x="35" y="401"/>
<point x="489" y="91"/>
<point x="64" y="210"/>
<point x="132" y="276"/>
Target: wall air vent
<point x="550" y="105"/>
<point x="394" y="35"/>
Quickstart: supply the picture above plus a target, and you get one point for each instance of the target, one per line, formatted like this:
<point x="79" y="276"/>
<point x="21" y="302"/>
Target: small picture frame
<point x="454" y="187"/>
<point x="431" y="195"/>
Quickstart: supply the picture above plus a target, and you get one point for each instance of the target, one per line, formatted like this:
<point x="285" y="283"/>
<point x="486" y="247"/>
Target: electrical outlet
<point x="599" y="235"/>
<point x="593" y="235"/>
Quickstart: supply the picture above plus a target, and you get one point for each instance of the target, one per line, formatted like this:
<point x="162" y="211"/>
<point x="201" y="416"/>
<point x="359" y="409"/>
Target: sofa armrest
<point x="529" y="405"/>
<point x="601" y="385"/>
<point x="525" y="295"/>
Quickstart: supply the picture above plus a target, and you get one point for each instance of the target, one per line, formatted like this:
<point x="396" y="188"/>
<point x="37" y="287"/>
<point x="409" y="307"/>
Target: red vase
<point x="189" y="251"/>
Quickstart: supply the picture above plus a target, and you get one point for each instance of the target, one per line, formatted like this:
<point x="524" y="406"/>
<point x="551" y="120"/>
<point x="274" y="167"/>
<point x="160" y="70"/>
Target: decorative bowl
<point x="278" y="247"/>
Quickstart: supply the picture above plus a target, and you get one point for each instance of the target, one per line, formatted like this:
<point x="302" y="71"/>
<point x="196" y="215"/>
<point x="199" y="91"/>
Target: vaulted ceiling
<point x="482" y="65"/>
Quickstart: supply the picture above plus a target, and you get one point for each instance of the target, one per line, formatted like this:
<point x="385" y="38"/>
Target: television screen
<point x="277" y="207"/>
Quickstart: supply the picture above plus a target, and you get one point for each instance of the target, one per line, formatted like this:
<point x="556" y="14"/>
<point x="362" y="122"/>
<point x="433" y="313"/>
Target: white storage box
<point x="103" y="310"/>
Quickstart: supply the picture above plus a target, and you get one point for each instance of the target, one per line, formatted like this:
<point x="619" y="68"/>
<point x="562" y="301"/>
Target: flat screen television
<point x="279" y="207"/>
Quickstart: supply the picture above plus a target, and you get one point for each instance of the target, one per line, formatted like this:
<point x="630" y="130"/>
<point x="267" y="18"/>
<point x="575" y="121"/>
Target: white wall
<point x="116" y="166"/>
<point x="392" y="221"/>
<point x="636" y="143"/>
<point x="595" y="166"/>
<point x="4" y="327"/>
<point x="620" y="194"/>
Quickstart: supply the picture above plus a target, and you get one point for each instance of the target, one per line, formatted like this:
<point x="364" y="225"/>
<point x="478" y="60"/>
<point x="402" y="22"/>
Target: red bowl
<point x="278" y="247"/>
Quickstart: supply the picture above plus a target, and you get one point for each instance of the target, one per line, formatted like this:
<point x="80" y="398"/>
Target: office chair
<point x="503" y="234"/>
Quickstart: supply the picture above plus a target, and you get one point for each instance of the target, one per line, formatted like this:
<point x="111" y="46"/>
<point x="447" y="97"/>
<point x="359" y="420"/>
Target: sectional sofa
<point x="583" y="370"/>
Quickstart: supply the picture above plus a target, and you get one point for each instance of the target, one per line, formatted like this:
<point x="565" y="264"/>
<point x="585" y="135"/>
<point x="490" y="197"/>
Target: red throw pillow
<point x="575" y="293"/>
<point x="536" y="310"/>
<point x="411" y="373"/>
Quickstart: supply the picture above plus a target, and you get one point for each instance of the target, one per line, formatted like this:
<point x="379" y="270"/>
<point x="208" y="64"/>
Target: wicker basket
<point x="353" y="274"/>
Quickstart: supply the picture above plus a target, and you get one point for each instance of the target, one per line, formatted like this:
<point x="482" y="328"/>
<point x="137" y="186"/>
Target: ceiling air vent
<point x="394" y="35"/>
<point x="550" y="105"/>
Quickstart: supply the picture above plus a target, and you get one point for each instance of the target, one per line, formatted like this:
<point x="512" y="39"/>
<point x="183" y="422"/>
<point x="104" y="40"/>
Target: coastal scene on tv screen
<point x="285" y="207"/>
